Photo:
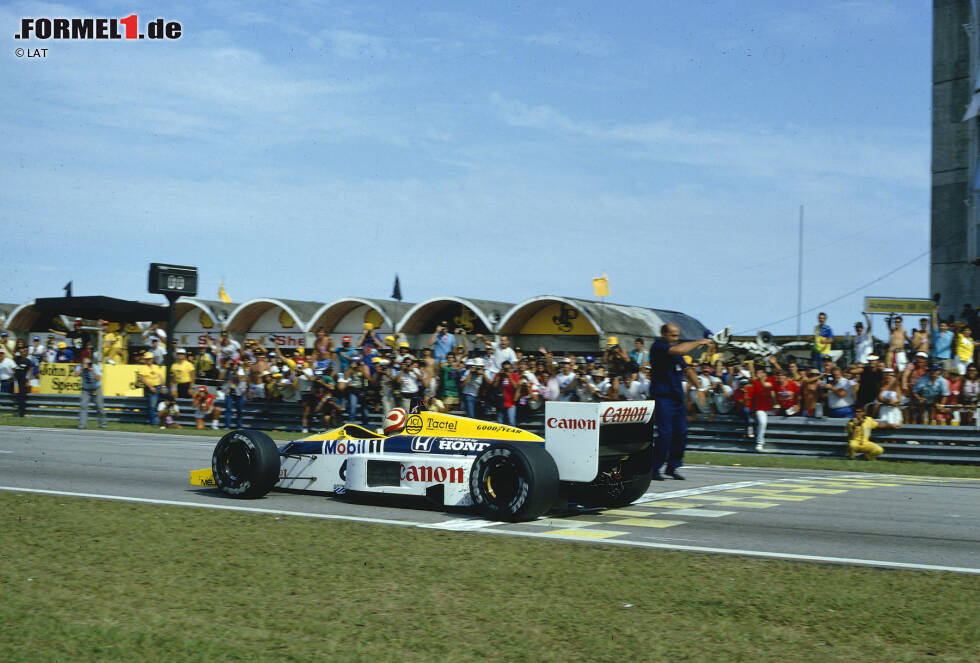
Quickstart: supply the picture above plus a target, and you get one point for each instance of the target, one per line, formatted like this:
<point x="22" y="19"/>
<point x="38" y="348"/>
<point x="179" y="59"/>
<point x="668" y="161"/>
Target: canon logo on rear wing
<point x="626" y="414"/>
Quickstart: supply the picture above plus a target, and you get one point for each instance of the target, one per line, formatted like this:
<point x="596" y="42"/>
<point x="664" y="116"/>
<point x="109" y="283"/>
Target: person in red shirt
<point x="204" y="407"/>
<point x="761" y="397"/>
<point x="507" y="384"/>
<point x="787" y="395"/>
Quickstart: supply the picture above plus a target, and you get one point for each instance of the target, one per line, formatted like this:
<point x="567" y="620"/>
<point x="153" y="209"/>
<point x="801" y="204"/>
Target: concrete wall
<point x="954" y="152"/>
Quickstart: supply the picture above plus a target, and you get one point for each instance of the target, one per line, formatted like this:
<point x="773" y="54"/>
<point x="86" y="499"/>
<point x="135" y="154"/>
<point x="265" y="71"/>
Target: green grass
<point x="87" y="580"/>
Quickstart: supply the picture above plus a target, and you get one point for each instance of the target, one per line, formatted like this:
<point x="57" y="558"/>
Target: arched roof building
<point x="347" y="315"/>
<point x="581" y="325"/>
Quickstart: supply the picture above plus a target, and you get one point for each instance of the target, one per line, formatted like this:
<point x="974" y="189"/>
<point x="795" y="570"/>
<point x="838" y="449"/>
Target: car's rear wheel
<point x="514" y="482"/>
<point x="245" y="463"/>
<point x="619" y="484"/>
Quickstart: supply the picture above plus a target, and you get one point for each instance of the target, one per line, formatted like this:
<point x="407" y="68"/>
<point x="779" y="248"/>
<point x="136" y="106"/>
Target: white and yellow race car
<point x="592" y="453"/>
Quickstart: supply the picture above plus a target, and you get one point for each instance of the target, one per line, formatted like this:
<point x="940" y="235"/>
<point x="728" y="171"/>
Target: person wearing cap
<point x="7" y="343"/>
<point x="667" y="370"/>
<point x="150" y="375"/>
<point x="344" y="354"/>
<point x="154" y="331"/>
<point x="183" y="374"/>
<point x="368" y="341"/>
<point x="403" y="353"/>
<point x="916" y="369"/>
<point x="863" y="340"/>
<point x="617" y="361"/>
<point x="65" y="354"/>
<point x="928" y="393"/>
<point x="204" y="408"/>
<point x="36" y="353"/>
<point x="859" y="435"/>
<point x="567" y="379"/>
<point x="91" y="384"/>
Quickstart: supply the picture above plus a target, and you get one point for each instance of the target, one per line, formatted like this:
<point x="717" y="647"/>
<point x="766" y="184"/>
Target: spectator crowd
<point x="927" y="374"/>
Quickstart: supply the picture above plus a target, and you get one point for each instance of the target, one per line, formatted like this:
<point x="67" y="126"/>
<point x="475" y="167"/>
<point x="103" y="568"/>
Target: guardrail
<point x="791" y="436"/>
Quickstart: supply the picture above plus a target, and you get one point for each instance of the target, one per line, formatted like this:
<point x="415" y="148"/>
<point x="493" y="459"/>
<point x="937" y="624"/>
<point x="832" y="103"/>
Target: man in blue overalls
<point x="667" y="370"/>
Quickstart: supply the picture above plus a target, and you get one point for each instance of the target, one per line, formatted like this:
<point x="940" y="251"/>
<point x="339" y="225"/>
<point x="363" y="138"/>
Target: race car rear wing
<point x="577" y="434"/>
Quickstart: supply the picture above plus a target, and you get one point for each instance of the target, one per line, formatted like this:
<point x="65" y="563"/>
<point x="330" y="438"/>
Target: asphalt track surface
<point x="832" y="517"/>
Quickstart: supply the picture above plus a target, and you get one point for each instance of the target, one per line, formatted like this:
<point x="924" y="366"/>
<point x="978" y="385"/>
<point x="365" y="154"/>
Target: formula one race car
<point x="592" y="453"/>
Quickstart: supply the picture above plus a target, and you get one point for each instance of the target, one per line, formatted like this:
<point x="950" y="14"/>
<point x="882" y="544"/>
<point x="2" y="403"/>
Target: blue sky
<point x="488" y="150"/>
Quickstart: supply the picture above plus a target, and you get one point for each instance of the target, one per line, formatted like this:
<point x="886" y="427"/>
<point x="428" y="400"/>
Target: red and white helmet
<point x="395" y="421"/>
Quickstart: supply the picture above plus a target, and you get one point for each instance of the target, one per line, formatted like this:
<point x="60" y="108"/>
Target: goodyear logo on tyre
<point x="414" y="425"/>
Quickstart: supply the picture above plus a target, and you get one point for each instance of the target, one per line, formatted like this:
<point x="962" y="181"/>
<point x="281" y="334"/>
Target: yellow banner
<point x="892" y="305"/>
<point x="117" y="380"/>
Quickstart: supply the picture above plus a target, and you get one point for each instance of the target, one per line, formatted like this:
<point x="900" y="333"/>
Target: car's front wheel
<point x="245" y="463"/>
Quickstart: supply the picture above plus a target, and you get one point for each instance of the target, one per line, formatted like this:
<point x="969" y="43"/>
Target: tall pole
<point x="799" y="277"/>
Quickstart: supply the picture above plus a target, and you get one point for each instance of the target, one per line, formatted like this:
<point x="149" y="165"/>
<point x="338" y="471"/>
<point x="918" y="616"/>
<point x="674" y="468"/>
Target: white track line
<point x="539" y="535"/>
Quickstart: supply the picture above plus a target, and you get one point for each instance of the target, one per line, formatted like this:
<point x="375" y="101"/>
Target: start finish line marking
<point x="472" y="525"/>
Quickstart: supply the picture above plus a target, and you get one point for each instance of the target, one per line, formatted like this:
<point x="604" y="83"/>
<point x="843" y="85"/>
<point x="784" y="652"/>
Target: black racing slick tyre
<point x="514" y="482"/>
<point x="245" y="464"/>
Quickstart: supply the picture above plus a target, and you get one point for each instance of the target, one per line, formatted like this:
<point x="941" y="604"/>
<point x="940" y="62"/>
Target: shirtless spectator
<point x="896" y="358"/>
<point x="890" y="399"/>
<point x="914" y="372"/>
<point x="919" y="341"/>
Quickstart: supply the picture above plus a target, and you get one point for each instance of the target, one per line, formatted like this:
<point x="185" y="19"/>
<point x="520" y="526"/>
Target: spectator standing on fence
<point x="91" y="384"/>
<point x="896" y="359"/>
<point x="863" y="340"/>
<point x="859" y="435"/>
<point x="23" y="370"/>
<point x="823" y="338"/>
<point x="942" y="340"/>
<point x="964" y="349"/>
<point x="151" y="377"/>
<point x="183" y="374"/>
<point x="919" y="341"/>
<point x="442" y="343"/>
